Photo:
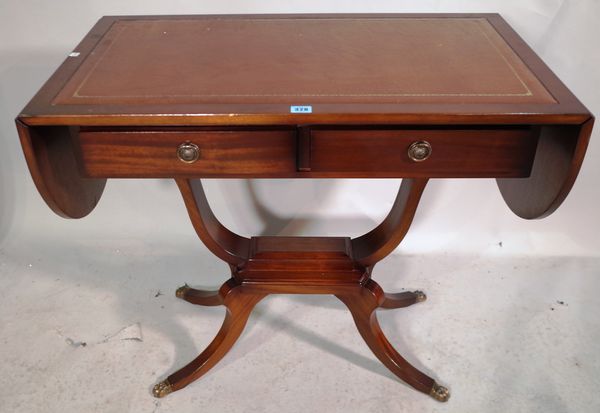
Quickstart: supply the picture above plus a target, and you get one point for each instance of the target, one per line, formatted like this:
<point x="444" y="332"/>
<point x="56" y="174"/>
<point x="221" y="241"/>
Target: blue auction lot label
<point x="300" y="109"/>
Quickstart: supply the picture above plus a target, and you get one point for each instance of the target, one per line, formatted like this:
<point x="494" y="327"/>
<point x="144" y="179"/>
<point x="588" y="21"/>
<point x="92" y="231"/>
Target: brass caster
<point x="162" y="389"/>
<point x="420" y="296"/>
<point x="180" y="292"/>
<point x="440" y="393"/>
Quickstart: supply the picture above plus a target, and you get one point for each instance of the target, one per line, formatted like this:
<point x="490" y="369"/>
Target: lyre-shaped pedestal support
<point x="302" y="265"/>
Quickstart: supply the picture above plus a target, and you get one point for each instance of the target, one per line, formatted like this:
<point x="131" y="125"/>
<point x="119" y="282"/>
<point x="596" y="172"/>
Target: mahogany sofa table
<point x="304" y="96"/>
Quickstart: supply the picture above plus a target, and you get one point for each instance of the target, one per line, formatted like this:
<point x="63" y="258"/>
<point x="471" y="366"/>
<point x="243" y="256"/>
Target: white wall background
<point x="456" y="215"/>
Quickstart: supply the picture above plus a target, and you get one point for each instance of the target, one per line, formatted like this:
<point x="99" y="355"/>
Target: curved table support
<point x="302" y="265"/>
<point x="225" y="244"/>
<point x="51" y="157"/>
<point x="557" y="162"/>
<point x="199" y="297"/>
<point x="362" y="304"/>
<point x="375" y="245"/>
<point x="401" y="300"/>
<point x="239" y="304"/>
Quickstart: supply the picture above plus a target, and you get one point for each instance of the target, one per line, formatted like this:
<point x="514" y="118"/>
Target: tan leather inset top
<point x="303" y="61"/>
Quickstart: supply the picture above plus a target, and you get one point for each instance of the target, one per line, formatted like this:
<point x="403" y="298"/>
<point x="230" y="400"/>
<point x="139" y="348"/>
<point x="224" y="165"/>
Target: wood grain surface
<point x="249" y="70"/>
<point x="426" y="76"/>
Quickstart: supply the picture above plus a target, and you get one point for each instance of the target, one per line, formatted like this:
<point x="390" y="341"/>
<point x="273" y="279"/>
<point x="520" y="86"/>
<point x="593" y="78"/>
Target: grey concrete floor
<point x="89" y="325"/>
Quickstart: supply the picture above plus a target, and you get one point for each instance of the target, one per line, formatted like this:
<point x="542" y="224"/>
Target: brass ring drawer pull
<point x="188" y="152"/>
<point x="419" y="151"/>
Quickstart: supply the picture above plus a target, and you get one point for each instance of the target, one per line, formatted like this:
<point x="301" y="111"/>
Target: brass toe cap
<point x="162" y="389"/>
<point x="440" y="393"/>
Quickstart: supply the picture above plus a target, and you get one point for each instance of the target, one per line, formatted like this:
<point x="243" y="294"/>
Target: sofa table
<point x="304" y="96"/>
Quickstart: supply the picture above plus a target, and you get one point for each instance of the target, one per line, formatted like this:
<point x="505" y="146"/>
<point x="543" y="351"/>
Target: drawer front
<point x="163" y="154"/>
<point x="448" y="153"/>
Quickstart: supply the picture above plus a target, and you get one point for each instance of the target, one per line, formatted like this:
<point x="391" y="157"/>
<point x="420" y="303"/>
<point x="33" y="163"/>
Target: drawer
<point x="170" y="153"/>
<point x="452" y="152"/>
